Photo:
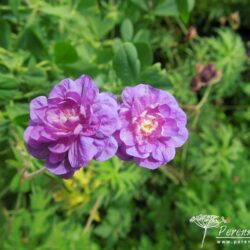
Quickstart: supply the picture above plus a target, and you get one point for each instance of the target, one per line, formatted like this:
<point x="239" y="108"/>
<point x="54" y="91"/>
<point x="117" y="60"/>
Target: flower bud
<point x="208" y="73"/>
<point x="191" y="33"/>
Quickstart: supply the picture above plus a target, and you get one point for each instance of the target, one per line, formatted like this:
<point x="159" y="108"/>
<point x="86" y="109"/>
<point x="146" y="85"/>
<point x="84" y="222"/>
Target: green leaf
<point x="62" y="11"/>
<point x="142" y="4"/>
<point x="35" y="74"/>
<point x="14" y="6"/>
<point x="107" y="24"/>
<point x="126" y="63"/>
<point x="17" y="110"/>
<point x="143" y="35"/>
<point x="191" y="4"/>
<point x="127" y="30"/>
<point x="246" y="88"/>
<point x="64" y="52"/>
<point x="145" y="53"/>
<point x="99" y="27"/>
<point x="7" y="95"/>
<point x="104" y="230"/>
<point x="5" y="34"/>
<point x="19" y="186"/>
<point x="111" y="227"/>
<point x="30" y="39"/>
<point x="183" y="9"/>
<point x="8" y="81"/>
<point x="104" y="55"/>
<point x="155" y="76"/>
<point x="167" y="8"/>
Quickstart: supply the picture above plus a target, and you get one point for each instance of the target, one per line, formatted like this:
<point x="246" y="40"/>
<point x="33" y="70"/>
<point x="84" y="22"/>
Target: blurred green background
<point x="117" y="205"/>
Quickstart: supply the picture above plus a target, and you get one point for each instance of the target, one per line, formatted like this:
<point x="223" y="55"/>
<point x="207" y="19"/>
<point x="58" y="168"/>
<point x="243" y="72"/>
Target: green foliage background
<point x="117" y="205"/>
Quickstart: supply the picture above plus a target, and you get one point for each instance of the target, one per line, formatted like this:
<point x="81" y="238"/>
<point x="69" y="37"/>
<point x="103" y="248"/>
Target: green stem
<point x="93" y="212"/>
<point x="29" y="176"/>
<point x="182" y="26"/>
<point x="171" y="173"/>
<point x="4" y="191"/>
<point x="200" y="104"/>
<point x="205" y="97"/>
<point x="20" y="8"/>
<point x="204" y="236"/>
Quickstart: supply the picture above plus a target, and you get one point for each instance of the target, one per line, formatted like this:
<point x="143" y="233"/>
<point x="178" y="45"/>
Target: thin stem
<point x="42" y="63"/>
<point x="204" y="236"/>
<point x="182" y="26"/>
<point x="29" y="176"/>
<point x="205" y="97"/>
<point x="198" y="223"/>
<point x="233" y="106"/>
<point x="4" y="191"/>
<point x="93" y="212"/>
<point x="200" y="104"/>
<point x="172" y="174"/>
<point x="20" y="8"/>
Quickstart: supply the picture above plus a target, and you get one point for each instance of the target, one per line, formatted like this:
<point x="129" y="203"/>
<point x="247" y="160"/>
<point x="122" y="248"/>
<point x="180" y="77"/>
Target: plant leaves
<point x="64" y="53"/>
<point x="127" y="30"/>
<point x="167" y="8"/>
<point x="156" y="76"/>
<point x="145" y="53"/>
<point x="126" y="63"/>
<point x="5" y="34"/>
<point x="183" y="8"/>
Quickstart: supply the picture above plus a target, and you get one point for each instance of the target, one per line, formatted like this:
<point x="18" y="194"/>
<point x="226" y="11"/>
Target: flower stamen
<point x="148" y="125"/>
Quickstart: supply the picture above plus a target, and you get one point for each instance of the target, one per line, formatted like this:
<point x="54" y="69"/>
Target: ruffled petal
<point x="59" y="91"/>
<point x="36" y="133"/>
<point x="146" y="147"/>
<point x="133" y="151"/>
<point x="106" y="148"/>
<point x="125" y="117"/>
<point x="89" y="91"/>
<point x="40" y="151"/>
<point x="180" y="116"/>
<point x="170" y="128"/>
<point x="149" y="163"/>
<point x="130" y="94"/>
<point x="81" y="152"/>
<point x="122" y="154"/>
<point x="180" y="139"/>
<point x="61" y="168"/>
<point x="138" y="107"/>
<point x="38" y="107"/>
<point x="27" y="133"/>
<point x="108" y="99"/>
<point x="163" y="153"/>
<point x="56" y="158"/>
<point x="60" y="146"/>
<point x="107" y="119"/>
<point x="127" y="136"/>
<point x="164" y="110"/>
<point x="164" y="97"/>
<point x="73" y="96"/>
<point x="46" y="136"/>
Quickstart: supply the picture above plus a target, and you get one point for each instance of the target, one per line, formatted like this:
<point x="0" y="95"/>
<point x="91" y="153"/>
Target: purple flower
<point x="152" y="126"/>
<point x="73" y="126"/>
<point x="208" y="73"/>
<point x="205" y="75"/>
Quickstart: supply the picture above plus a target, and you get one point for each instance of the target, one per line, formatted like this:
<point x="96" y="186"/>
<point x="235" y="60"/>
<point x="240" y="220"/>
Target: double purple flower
<point x="73" y="126"/>
<point x="76" y="124"/>
<point x="152" y="126"/>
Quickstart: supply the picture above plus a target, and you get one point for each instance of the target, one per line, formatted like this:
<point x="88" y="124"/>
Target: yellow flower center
<point x="148" y="125"/>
